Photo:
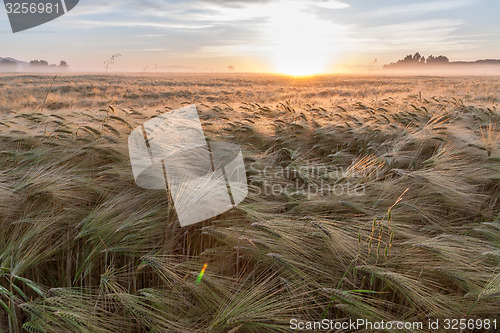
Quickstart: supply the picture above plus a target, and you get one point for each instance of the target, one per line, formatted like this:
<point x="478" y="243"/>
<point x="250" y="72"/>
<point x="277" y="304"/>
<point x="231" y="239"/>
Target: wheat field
<point x="411" y="230"/>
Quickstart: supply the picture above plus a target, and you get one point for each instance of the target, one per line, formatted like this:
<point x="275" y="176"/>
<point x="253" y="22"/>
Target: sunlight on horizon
<point x="300" y="42"/>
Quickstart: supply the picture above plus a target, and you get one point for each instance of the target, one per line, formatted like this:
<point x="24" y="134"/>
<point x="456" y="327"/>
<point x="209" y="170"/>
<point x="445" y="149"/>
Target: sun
<point x="299" y="41"/>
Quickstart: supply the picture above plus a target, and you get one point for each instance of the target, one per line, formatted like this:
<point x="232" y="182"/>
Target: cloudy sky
<point x="301" y="36"/>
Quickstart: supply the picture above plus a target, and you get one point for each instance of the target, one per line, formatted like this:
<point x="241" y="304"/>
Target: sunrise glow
<point x="299" y="41"/>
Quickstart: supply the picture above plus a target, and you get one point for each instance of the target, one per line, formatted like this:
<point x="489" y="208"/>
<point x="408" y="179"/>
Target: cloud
<point x="221" y="24"/>
<point x="420" y="8"/>
<point x="134" y="24"/>
<point x="211" y="10"/>
<point x="142" y="50"/>
<point x="408" y="29"/>
<point x="232" y="28"/>
<point x="330" y="4"/>
<point x="429" y="35"/>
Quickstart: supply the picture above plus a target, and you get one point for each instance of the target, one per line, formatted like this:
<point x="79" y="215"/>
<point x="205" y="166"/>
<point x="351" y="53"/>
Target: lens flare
<point x="200" y="276"/>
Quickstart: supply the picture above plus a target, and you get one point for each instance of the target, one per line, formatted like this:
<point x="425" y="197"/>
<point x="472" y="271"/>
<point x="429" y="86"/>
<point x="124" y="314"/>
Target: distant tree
<point x="63" y="64"/>
<point x="7" y="64"/>
<point x="230" y="68"/>
<point x="407" y="59"/>
<point x="418" y="59"/>
<point x="440" y="59"/>
<point x="111" y="61"/>
<point x="372" y="65"/>
<point x="38" y="63"/>
<point x="411" y="59"/>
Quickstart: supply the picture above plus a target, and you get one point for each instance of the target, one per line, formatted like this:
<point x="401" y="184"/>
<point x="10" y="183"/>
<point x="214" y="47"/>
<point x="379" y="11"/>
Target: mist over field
<point x="448" y="70"/>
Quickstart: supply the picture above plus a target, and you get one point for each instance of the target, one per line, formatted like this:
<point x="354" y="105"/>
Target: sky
<point x="287" y="36"/>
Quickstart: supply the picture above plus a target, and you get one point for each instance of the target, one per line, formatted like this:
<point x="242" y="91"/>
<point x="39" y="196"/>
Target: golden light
<point x="299" y="41"/>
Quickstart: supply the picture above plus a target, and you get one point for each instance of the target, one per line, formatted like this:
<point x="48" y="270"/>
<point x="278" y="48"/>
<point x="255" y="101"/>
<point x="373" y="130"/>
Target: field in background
<point x="83" y="249"/>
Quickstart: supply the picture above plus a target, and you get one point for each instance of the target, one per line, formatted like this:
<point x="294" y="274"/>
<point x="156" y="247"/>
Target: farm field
<point x="370" y="197"/>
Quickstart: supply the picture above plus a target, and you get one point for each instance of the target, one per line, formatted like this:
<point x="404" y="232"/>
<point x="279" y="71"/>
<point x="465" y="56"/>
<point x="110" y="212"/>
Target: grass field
<point x="406" y="228"/>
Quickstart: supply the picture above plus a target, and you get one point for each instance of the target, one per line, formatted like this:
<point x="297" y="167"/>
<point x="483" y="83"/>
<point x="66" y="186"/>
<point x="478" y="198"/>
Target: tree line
<point x="417" y="59"/>
<point x="7" y="63"/>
